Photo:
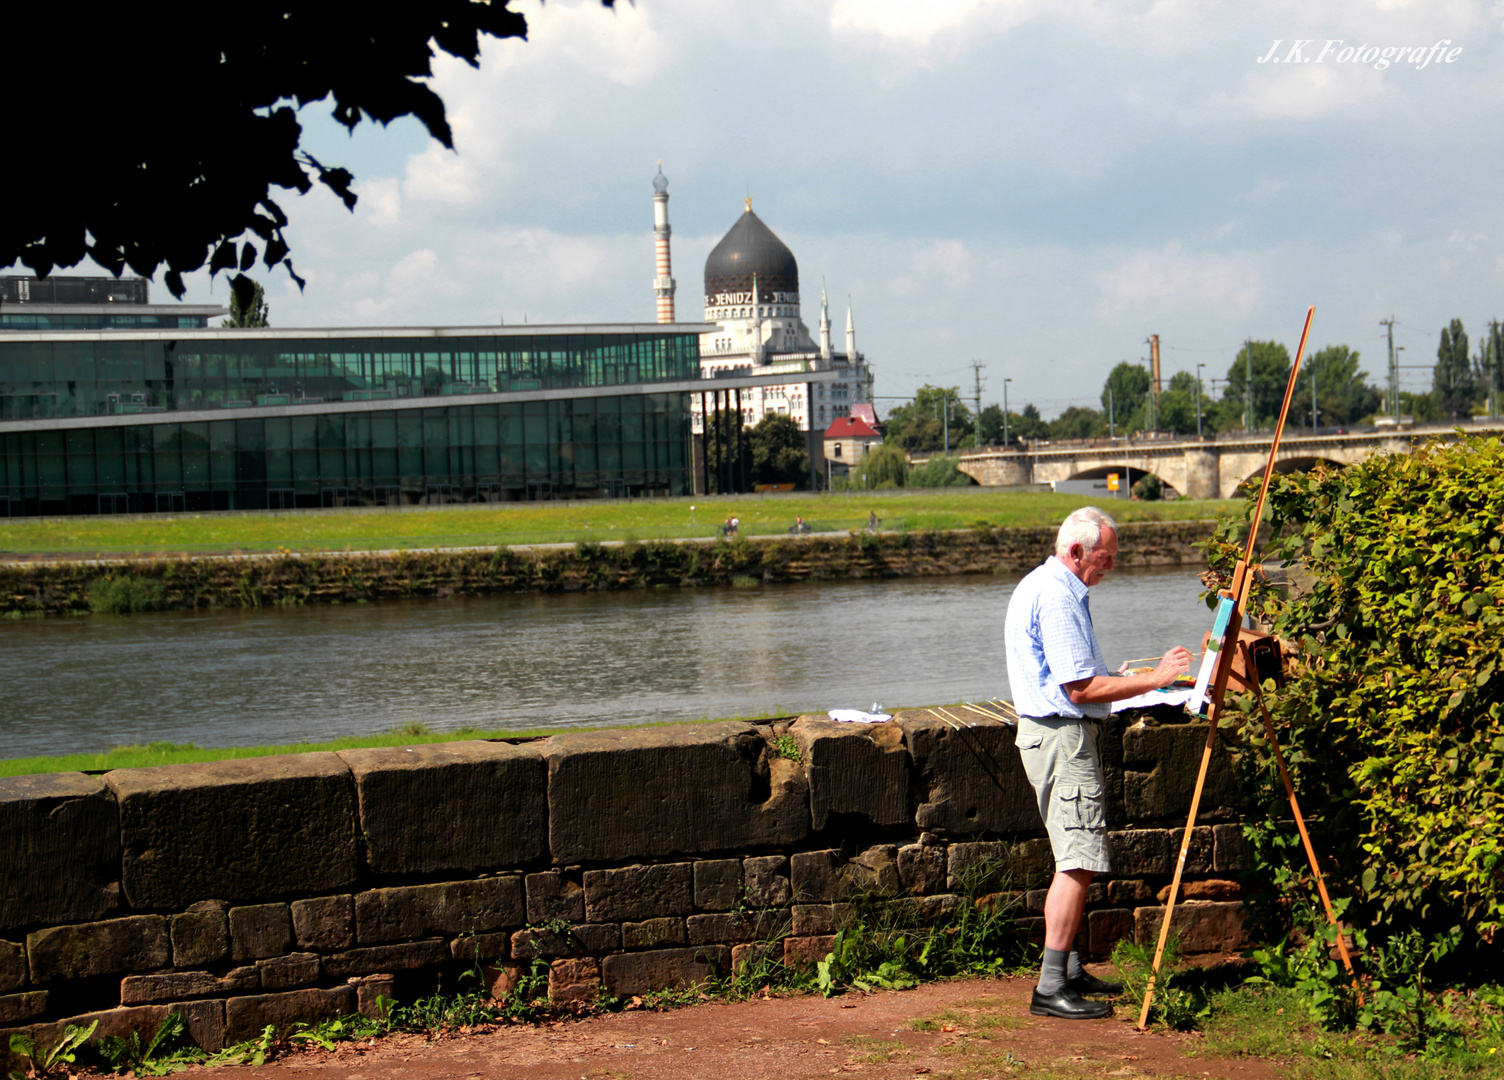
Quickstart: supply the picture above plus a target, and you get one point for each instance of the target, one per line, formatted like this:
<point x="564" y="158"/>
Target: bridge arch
<point x="1131" y="474"/>
<point x="1286" y="465"/>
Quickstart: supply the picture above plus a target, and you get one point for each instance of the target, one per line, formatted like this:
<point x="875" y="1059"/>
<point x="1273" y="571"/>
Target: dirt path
<point x="965" y="1029"/>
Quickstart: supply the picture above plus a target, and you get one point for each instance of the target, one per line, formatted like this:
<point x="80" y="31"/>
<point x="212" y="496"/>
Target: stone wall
<point x="279" y="889"/>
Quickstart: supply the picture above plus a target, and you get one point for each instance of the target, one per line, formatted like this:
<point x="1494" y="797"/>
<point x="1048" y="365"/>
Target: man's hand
<point x="1173" y="665"/>
<point x="1103" y="688"/>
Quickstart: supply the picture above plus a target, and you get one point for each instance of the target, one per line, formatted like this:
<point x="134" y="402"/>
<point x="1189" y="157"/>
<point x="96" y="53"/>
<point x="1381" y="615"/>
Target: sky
<point x="1034" y="186"/>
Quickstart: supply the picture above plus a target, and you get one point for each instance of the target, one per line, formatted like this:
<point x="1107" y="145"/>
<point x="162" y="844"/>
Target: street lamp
<point x="1198" y="399"/>
<point x="1005" y="412"/>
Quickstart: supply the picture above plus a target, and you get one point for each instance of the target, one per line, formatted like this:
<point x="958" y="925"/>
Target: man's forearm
<point x="1101" y="689"/>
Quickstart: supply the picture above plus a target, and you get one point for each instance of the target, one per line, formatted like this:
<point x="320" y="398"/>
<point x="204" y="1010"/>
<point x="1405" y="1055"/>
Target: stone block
<point x="1230" y="850"/>
<point x="246" y="830"/>
<point x="814" y="919"/>
<point x="718" y="884"/>
<point x="576" y="979"/>
<point x="14" y="1008"/>
<point x="979" y="865"/>
<point x="626" y="974"/>
<point x="1159" y="772"/>
<point x="585" y="938"/>
<point x="325" y="923"/>
<point x="875" y="870"/>
<point x="767" y="878"/>
<point x="409" y="956"/>
<point x="60" y="843"/>
<point x="815" y="875"/>
<point x="245" y="1017"/>
<point x="854" y="771"/>
<point x="554" y="895"/>
<point x="1105" y="928"/>
<point x="369" y="992"/>
<point x="466" y="806"/>
<point x="259" y="930"/>
<point x="175" y="985"/>
<point x="800" y="953"/>
<point x="1206" y="889"/>
<point x="634" y="893"/>
<point x="1129" y="892"/>
<point x="921" y="868"/>
<point x="1034" y="901"/>
<point x="725" y="926"/>
<point x="408" y="912"/>
<point x="1137" y="852"/>
<point x="924" y="910"/>
<point x="286" y="972"/>
<point x="653" y="934"/>
<point x="970" y="781"/>
<point x="1198" y="856"/>
<point x="656" y="792"/>
<point x="12" y="966"/>
<point x="755" y="953"/>
<point x="203" y="1021"/>
<point x="1202" y="926"/>
<point x="481" y="947"/>
<point x="201" y="935"/>
<point x="111" y="947"/>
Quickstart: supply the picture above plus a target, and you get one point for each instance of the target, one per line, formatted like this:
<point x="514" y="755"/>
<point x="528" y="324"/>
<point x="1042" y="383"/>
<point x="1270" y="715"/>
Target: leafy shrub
<point x="125" y="595"/>
<point x="1393" y="711"/>
<point x="938" y="471"/>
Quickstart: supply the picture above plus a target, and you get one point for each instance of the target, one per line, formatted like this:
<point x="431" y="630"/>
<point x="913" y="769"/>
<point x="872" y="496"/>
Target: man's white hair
<point x="1084" y="527"/>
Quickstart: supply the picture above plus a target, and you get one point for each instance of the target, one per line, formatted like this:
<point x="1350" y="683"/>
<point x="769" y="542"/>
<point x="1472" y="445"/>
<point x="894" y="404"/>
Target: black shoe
<point x="1087" y="983"/>
<point x="1068" y="1005"/>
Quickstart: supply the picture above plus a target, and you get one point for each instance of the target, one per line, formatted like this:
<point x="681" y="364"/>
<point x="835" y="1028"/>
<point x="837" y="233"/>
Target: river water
<point x="281" y="675"/>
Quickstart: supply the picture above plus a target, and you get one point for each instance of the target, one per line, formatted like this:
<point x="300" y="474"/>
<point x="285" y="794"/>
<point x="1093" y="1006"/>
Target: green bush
<point x="938" y="471"/>
<point x="1392" y="717"/>
<point x="125" y="595"/>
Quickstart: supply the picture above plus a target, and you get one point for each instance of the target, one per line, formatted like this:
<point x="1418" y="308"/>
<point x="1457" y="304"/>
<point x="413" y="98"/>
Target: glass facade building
<point x="146" y="421"/>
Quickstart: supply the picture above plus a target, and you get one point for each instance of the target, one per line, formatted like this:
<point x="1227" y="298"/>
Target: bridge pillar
<point x="1201" y="480"/>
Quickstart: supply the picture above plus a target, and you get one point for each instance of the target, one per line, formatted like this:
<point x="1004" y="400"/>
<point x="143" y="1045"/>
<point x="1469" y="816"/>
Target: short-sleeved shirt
<point x="1049" y="641"/>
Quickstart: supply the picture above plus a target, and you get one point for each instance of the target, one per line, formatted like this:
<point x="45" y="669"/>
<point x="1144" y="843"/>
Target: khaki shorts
<point x="1064" y="763"/>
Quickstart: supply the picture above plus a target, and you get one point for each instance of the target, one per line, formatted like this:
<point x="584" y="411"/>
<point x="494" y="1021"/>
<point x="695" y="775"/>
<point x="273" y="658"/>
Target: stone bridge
<point x="1205" y="468"/>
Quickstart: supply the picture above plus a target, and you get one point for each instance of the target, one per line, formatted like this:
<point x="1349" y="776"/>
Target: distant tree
<point x="919" y="426"/>
<point x="1124" y="395"/>
<point x="253" y="313"/>
<point x="1491" y="366"/>
<point x="779" y="452"/>
<point x="884" y="467"/>
<point x="1176" y="408"/>
<point x="728" y="450"/>
<point x="938" y="471"/>
<point x="1271" y="372"/>
<point x="1452" y="385"/>
<point x="990" y="425"/>
<point x="1343" y="394"/>
<point x="1078" y="422"/>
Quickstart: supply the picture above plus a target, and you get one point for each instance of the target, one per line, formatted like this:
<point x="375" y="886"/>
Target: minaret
<point x="824" y="323"/>
<point x="663" y="284"/>
<point x="850" y="335"/>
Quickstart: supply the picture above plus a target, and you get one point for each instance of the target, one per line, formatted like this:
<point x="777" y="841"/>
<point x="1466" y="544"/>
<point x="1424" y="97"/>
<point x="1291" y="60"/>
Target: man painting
<point x="1062" y="691"/>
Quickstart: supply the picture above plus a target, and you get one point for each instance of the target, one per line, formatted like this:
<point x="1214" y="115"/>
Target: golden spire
<point x="749" y="204"/>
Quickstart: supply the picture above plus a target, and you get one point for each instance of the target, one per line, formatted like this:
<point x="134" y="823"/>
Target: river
<point x="527" y="663"/>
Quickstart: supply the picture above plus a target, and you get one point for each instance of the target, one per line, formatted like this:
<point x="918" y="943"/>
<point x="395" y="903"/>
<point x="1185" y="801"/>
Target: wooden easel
<point x="1242" y="579"/>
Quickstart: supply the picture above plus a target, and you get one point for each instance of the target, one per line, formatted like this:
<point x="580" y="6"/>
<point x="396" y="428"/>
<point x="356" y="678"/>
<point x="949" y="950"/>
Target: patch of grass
<point x="785" y="746"/>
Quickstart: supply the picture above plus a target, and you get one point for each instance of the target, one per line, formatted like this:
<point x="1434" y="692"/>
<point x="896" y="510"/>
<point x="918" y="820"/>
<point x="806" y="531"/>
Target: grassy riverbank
<point x="514" y="524"/>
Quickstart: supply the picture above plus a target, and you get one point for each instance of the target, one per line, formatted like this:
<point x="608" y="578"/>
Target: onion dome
<point x="751" y="249"/>
<point x="660" y="182"/>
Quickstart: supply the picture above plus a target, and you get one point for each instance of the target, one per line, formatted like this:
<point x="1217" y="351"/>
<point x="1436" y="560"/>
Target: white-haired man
<point x="1062" y="691"/>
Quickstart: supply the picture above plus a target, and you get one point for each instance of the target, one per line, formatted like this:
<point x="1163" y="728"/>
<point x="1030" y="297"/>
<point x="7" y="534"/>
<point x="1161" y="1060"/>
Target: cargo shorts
<point x="1064" y="764"/>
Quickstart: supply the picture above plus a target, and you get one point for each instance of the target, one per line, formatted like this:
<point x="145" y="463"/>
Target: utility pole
<point x="976" y="370"/>
<point x="1005" y="412"/>
<point x="1394" y="371"/>
<point x="1112" y="427"/>
<point x="1313" y="399"/>
<point x="1198" y="399"/>
<point x="1248" y="389"/>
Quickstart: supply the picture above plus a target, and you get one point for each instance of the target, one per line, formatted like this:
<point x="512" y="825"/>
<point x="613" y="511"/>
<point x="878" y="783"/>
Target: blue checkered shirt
<point x="1050" y="641"/>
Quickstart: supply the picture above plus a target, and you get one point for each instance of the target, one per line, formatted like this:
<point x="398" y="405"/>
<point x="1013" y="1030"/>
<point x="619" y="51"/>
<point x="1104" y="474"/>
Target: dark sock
<point x="1073" y="968"/>
<point x="1052" y="971"/>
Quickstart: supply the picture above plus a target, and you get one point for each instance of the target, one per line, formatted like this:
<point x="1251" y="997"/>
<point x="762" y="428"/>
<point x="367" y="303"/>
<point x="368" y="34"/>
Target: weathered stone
<point x="111" y="947"/>
<point x="1030" y="863"/>
<point x="247" y="1016"/>
<point x="626" y="974"/>
<point x="428" y="809"/>
<point x="1210" y="889"/>
<point x="1230" y="851"/>
<point x="473" y="947"/>
<point x="755" y="953"/>
<point x="921" y="868"/>
<point x="767" y="878"/>
<point x="972" y="780"/>
<point x="1160" y="764"/>
<point x="970" y="863"/>
<point x="174" y="985"/>
<point x="203" y="1022"/>
<point x="653" y="934"/>
<point x="649" y="793"/>
<point x="854" y="770"/>
<point x="554" y="895"/>
<point x="410" y="956"/>
<point x="576" y="979"/>
<point x="1136" y="852"/>
<point x="1034" y="901"/>
<point x="718" y="884"/>
<point x="1105" y="928"/>
<point x="201" y="935"/>
<point x="875" y="871"/>
<point x="815" y="875"/>
<point x="369" y="992"/>
<point x="585" y="938"/>
<point x="12" y="966"/>
<point x="1202" y="926"/>
<point x="286" y="972"/>
<point x="60" y="845"/>
<point x="749" y="926"/>
<point x="17" y="1007"/>
<point x="1129" y="892"/>
<point x="259" y="930"/>
<point x="812" y="919"/>
<point x="805" y="952"/>
<point x="407" y="912"/>
<point x="925" y="910"/>
<point x="245" y="830"/>
<point x="1198" y="857"/>
<point x="639" y="892"/>
<point x="325" y="923"/>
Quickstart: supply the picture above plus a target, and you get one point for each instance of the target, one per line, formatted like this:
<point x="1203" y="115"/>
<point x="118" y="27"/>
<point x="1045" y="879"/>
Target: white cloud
<point x="1171" y="279"/>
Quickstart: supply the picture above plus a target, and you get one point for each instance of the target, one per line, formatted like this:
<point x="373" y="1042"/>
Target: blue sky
<point x="1038" y="186"/>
